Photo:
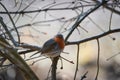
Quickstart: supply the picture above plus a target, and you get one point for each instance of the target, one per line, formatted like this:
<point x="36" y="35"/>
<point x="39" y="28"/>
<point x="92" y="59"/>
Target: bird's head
<point x="60" y="36"/>
<point x="60" y="40"/>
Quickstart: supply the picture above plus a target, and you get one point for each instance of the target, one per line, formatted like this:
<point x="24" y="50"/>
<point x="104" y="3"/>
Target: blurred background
<point x="39" y="20"/>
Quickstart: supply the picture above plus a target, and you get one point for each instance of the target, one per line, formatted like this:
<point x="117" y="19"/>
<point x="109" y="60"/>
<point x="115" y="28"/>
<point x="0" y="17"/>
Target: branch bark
<point x="94" y="37"/>
<point x="82" y="16"/>
<point x="8" y="52"/>
<point x="54" y="67"/>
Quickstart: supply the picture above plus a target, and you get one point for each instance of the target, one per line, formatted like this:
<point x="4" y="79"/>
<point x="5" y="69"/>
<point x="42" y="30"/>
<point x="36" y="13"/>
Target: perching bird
<point x="53" y="47"/>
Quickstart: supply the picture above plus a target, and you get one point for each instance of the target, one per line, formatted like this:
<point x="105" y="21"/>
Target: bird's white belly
<point x="52" y="54"/>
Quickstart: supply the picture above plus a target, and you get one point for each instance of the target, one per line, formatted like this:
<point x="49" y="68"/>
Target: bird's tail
<point x="35" y="53"/>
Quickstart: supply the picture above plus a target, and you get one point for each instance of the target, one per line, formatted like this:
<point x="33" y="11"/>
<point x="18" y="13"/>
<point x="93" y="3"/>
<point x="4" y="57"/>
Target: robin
<point x="53" y="47"/>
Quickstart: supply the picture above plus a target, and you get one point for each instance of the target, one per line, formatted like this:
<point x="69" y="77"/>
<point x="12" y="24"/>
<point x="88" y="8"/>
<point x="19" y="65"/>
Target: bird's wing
<point x="49" y="46"/>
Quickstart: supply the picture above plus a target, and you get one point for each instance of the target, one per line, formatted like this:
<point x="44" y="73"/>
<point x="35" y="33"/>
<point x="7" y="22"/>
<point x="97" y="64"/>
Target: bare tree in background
<point x="11" y="16"/>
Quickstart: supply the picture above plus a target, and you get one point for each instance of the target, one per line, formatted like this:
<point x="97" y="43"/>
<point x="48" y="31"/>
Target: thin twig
<point x="110" y="20"/>
<point x="83" y="28"/>
<point x="82" y="16"/>
<point x="65" y="52"/>
<point x="32" y="58"/>
<point x="98" y="60"/>
<point x="113" y="56"/>
<point x="111" y="9"/>
<point x="17" y="18"/>
<point x="99" y="27"/>
<point x="38" y="60"/>
<point x="48" y="73"/>
<point x="29" y="5"/>
<point x="48" y="9"/>
<point x="8" y="32"/>
<point x="67" y="60"/>
<point x="84" y="76"/>
<point x="14" y="42"/>
<point x="77" y="62"/>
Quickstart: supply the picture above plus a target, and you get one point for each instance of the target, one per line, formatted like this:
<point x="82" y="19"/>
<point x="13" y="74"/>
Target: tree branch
<point x="82" y="16"/>
<point x="94" y="37"/>
<point x="54" y="67"/>
<point x="8" y="32"/>
<point x="8" y="52"/>
<point x="109" y="8"/>
<point x="112" y="9"/>
<point x="16" y="44"/>
<point x="46" y="9"/>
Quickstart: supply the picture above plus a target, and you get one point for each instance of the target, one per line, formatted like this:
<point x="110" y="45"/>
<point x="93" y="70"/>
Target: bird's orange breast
<point x="60" y="42"/>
